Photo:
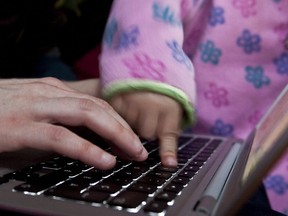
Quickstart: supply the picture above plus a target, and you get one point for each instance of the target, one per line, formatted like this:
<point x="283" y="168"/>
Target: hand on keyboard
<point x="33" y="110"/>
<point x="153" y="116"/>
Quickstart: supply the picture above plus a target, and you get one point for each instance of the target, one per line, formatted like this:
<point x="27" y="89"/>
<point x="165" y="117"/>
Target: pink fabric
<point x="276" y="185"/>
<point x="131" y="51"/>
<point x="240" y="63"/>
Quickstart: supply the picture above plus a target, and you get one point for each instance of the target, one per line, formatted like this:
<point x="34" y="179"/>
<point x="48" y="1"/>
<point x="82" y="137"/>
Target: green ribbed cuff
<point x="118" y="87"/>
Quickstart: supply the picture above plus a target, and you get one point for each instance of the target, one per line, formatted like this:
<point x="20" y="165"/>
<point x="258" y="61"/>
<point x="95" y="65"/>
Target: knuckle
<point x="168" y="145"/>
<point x="41" y="85"/>
<point x="84" y="147"/>
<point x="34" y="87"/>
<point x="169" y="138"/>
<point x="103" y="104"/>
<point x="169" y="131"/>
<point x="170" y="135"/>
<point x="56" y="133"/>
<point x="86" y="104"/>
<point x="51" y="81"/>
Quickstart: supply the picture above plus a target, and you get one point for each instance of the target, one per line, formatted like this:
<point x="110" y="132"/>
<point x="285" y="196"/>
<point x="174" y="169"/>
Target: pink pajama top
<point x="224" y="61"/>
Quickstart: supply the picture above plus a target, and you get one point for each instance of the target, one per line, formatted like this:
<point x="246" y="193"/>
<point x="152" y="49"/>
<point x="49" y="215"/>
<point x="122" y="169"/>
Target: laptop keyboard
<point x="129" y="185"/>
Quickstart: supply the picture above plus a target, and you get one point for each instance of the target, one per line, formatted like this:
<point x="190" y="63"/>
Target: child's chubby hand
<point x="152" y="115"/>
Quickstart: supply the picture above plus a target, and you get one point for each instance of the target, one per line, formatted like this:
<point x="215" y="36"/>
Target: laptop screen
<point x="271" y="126"/>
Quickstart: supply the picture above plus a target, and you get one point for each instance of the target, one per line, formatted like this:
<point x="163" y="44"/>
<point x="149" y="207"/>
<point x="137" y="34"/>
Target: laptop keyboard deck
<point x="129" y="186"/>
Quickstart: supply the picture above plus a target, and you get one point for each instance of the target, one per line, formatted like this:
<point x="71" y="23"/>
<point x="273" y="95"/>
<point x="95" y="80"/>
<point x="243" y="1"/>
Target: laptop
<point x="215" y="176"/>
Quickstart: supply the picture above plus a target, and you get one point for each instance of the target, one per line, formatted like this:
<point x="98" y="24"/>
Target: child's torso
<point x="241" y="62"/>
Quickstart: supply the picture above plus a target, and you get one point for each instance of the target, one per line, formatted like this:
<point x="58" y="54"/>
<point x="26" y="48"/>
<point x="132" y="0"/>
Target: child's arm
<point x="145" y="73"/>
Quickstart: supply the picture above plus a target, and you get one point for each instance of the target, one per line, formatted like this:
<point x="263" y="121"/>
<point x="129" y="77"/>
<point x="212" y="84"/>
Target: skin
<point x="32" y="113"/>
<point x="152" y="116"/>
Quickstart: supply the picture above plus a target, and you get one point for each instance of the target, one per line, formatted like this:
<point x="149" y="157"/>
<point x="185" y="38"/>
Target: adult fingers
<point x="59" y="139"/>
<point x="47" y="80"/>
<point x="85" y="112"/>
<point x="30" y="88"/>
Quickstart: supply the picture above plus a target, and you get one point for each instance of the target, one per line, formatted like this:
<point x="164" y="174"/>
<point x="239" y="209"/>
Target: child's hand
<point x="152" y="115"/>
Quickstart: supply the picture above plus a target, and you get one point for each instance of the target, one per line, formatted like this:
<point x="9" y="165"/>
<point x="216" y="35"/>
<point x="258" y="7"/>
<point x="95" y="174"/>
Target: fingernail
<point x="170" y="161"/>
<point x="142" y="153"/>
<point x="108" y="159"/>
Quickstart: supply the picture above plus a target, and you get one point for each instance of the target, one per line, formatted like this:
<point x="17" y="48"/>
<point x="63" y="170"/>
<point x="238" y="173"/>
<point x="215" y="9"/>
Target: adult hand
<point x="33" y="110"/>
<point x="152" y="115"/>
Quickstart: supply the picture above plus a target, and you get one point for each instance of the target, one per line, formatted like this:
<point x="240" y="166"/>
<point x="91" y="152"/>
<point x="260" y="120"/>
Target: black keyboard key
<point x="43" y="172"/>
<point x="156" y="206"/>
<point x="32" y="169"/>
<point x="102" y="173"/>
<point x="196" y="163"/>
<point x="182" y="160"/>
<point x="152" y="180"/>
<point x="187" y="174"/>
<point x="106" y="187"/>
<point x="67" y="190"/>
<point x="142" y="168"/>
<point x="208" y="150"/>
<point x="200" y="158"/>
<point x="21" y="176"/>
<point x="166" y="196"/>
<point x="206" y="153"/>
<point x="87" y="177"/>
<point x="130" y="171"/>
<point x="120" y="164"/>
<point x="214" y="143"/>
<point x="160" y="174"/>
<point x="128" y="199"/>
<point x="141" y="187"/>
<point x="94" y="196"/>
<point x="155" y="156"/>
<point x="151" y="161"/>
<point x="73" y="186"/>
<point x="181" y="180"/>
<point x="81" y="166"/>
<point x="64" y="160"/>
<point x="42" y="183"/>
<point x="200" y="141"/>
<point x="183" y="140"/>
<point x="88" y="196"/>
<point x="3" y="180"/>
<point x="192" y="168"/>
<point x="71" y="170"/>
<point x="186" y="151"/>
<point x="151" y="145"/>
<point x="172" y="187"/>
<point x="51" y="164"/>
<point x="119" y="179"/>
